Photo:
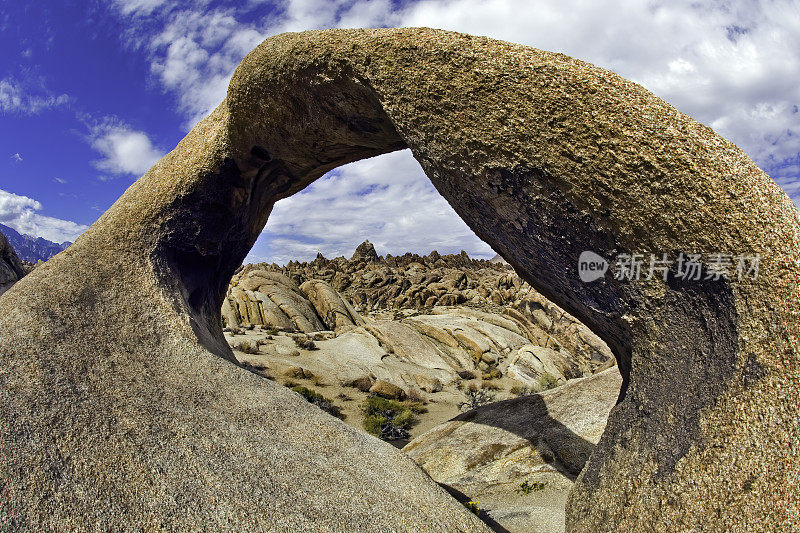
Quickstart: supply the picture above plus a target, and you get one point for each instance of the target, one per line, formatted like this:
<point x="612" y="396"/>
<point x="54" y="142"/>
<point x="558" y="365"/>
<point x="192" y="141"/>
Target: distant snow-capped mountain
<point x="31" y="249"/>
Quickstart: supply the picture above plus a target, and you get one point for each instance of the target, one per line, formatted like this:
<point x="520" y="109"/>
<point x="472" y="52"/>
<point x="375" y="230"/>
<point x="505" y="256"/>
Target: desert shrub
<point x="344" y="397"/>
<point x="236" y="331"/>
<point x="304" y="343"/>
<point x="488" y="385"/>
<point x="263" y="342"/>
<point x="526" y="487"/>
<point x="318" y="399"/>
<point x="289" y="384"/>
<point x="547" y="381"/>
<point x="295" y="353"/>
<point x="250" y="327"/>
<point x="466" y="374"/>
<point x="475" y="398"/>
<point x="390" y="419"/>
<point x="414" y="395"/>
<point x="472" y="505"/>
<point x="316" y="380"/>
<point x="495" y="373"/>
<point x="246" y="347"/>
<point x="272" y="331"/>
<point x="519" y="390"/>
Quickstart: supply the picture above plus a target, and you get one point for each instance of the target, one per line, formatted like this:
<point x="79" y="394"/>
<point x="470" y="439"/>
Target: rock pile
<point x="316" y="295"/>
<point x="402" y="339"/>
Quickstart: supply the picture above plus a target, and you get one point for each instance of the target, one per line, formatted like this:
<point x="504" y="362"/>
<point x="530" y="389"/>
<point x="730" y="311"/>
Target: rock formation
<point x="11" y="268"/>
<point x="120" y="401"/>
<point x="545" y="438"/>
<point x="488" y="293"/>
<point x="552" y="431"/>
<point x="419" y="345"/>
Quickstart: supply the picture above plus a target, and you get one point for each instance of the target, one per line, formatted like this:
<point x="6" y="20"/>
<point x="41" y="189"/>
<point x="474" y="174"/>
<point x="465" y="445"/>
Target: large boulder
<point x="542" y="439"/>
<point x="120" y="399"/>
<point x="260" y="297"/>
<point x="507" y="441"/>
<point x="336" y="313"/>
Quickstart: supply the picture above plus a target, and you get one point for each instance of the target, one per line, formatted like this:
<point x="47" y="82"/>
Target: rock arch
<point x="110" y="383"/>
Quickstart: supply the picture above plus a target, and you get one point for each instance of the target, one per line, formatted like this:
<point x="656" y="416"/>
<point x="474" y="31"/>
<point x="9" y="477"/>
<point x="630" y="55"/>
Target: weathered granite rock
<point x="365" y="252"/>
<point x="120" y="401"/>
<point x="413" y="282"/>
<point x="259" y="297"/>
<point x="336" y="313"/>
<point x="387" y="390"/>
<point x="546" y="439"/>
<point x="541" y="368"/>
<point x="507" y="441"/>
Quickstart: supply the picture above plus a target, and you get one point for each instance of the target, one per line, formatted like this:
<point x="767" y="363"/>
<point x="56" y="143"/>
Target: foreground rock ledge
<point x="120" y="400"/>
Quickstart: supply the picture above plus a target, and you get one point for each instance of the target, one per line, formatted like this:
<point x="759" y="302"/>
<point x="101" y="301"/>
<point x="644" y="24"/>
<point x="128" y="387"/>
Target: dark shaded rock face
<point x="11" y="268"/>
<point x="118" y="392"/>
<point x="32" y="249"/>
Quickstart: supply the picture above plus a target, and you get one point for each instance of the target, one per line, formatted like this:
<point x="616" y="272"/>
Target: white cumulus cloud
<point x="195" y="54"/>
<point x="125" y="151"/>
<point x="20" y="212"/>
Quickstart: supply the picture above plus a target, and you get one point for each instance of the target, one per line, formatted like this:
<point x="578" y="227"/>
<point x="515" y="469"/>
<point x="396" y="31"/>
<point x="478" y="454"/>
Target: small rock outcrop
<point x="365" y="252"/>
<point x="11" y="268"/>
<point x="387" y="390"/>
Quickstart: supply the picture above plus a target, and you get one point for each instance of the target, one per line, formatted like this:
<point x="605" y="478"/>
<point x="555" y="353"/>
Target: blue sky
<point x="93" y="92"/>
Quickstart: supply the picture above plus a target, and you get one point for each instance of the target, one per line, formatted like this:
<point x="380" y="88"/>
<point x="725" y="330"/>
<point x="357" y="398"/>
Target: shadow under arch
<point x="544" y="157"/>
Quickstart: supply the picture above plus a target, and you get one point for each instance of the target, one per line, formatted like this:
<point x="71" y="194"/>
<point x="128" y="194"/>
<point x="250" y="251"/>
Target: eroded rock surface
<point x="413" y="346"/>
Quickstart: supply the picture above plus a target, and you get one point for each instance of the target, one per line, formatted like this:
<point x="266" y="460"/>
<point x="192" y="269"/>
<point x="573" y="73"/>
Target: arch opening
<point x="259" y="299"/>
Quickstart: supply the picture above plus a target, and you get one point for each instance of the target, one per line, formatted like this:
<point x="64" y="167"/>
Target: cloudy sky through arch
<point x="92" y="93"/>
